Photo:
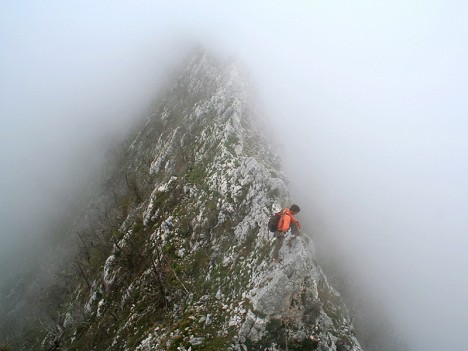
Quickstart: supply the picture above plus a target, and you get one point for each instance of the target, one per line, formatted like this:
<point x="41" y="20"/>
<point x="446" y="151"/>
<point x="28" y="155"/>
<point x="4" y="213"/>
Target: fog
<point x="368" y="101"/>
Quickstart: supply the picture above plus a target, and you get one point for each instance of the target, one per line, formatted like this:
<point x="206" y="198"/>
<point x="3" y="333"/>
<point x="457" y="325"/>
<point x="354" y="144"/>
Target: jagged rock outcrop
<point x="189" y="265"/>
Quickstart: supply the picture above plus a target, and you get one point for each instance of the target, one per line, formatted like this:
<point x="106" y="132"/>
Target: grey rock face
<point x="191" y="267"/>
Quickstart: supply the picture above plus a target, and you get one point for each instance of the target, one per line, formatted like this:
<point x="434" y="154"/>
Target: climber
<point x="286" y="222"/>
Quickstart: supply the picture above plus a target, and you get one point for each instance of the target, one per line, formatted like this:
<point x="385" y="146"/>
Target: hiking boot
<point x="277" y="260"/>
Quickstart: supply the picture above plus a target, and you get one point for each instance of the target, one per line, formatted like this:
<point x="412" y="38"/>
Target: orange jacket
<point x="286" y="219"/>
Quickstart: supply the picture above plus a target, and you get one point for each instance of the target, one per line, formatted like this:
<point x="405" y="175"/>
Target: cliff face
<point x="187" y="264"/>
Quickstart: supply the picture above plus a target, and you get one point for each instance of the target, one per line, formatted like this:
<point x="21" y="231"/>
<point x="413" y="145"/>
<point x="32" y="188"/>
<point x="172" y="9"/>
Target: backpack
<point x="273" y="222"/>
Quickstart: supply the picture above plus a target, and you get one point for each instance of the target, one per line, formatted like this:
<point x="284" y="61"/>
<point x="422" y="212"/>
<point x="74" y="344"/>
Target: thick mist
<point x="368" y="101"/>
<point x="74" y="80"/>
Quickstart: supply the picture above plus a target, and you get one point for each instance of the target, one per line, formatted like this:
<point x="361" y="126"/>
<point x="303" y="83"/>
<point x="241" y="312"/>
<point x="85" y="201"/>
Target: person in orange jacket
<point x="286" y="222"/>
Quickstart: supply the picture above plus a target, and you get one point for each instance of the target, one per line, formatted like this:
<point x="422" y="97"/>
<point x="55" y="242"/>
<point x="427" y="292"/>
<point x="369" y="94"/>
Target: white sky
<point x="369" y="99"/>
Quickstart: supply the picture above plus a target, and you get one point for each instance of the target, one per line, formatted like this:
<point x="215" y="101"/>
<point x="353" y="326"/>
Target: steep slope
<point x="188" y="262"/>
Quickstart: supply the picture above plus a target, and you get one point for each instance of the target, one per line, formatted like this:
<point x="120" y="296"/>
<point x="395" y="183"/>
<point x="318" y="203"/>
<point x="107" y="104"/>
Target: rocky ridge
<point x="189" y="266"/>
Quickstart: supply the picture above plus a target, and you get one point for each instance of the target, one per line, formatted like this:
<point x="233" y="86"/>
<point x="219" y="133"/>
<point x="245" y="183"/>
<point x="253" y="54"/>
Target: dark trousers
<point x="277" y="245"/>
